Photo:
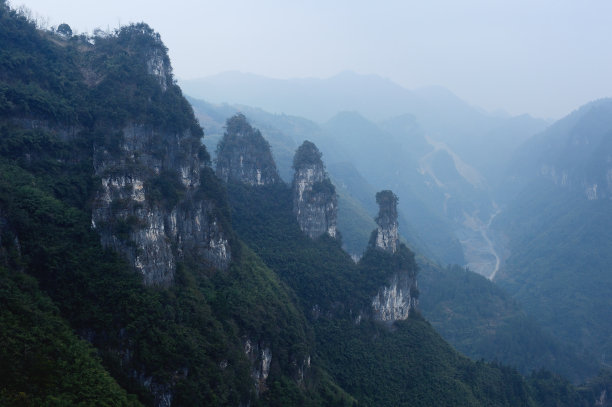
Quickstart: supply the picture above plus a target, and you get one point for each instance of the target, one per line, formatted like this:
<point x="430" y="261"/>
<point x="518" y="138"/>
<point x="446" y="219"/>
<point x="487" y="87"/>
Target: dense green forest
<point x="483" y="321"/>
<point x="286" y="323"/>
<point x="372" y="349"/>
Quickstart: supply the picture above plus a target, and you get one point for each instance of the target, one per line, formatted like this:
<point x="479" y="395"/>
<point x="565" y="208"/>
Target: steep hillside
<point x="482" y="321"/>
<point x="107" y="199"/>
<point x="130" y="274"/>
<point x="356" y="197"/>
<point x="405" y="363"/>
<point x="557" y="222"/>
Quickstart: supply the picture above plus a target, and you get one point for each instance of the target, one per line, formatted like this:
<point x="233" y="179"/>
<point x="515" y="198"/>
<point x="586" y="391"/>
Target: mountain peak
<point x="315" y="202"/>
<point x="243" y="155"/>
<point x="387" y="235"/>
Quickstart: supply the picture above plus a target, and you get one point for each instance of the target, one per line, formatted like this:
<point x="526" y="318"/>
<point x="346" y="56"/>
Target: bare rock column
<point x="315" y="203"/>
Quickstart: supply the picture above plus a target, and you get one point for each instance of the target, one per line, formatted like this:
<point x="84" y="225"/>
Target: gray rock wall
<point x="394" y="301"/>
<point x="315" y="203"/>
<point x="146" y="207"/>
<point x="387" y="235"/>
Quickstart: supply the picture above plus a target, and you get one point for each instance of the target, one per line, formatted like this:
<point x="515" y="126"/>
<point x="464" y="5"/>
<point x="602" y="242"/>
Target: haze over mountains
<point x="395" y="138"/>
<point x="442" y="115"/>
<point x="512" y="198"/>
<point x="163" y="251"/>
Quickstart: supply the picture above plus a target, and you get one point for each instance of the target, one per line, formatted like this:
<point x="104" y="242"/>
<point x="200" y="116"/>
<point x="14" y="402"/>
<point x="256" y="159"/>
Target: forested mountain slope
<point x="557" y="221"/>
<point x="101" y="154"/>
<point x="131" y="275"/>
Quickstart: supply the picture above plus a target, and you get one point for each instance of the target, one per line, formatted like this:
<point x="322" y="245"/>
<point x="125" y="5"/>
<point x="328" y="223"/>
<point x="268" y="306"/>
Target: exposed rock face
<point x="148" y="207"/>
<point x="394" y="301"/>
<point x="387" y="236"/>
<point x="244" y="156"/>
<point x="151" y="205"/>
<point x="260" y="357"/>
<point x="159" y="66"/>
<point x="315" y="202"/>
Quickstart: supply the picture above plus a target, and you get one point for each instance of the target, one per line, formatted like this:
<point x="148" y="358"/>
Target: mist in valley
<point x="492" y="124"/>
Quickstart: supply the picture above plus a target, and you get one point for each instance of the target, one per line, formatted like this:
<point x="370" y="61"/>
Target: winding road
<point x="485" y="234"/>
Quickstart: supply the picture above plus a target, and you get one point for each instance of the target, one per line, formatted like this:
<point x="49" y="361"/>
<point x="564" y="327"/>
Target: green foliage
<point x="238" y="124"/>
<point x="166" y="189"/>
<point x="482" y="321"/>
<point x="319" y="271"/>
<point x="77" y="96"/>
<point x="307" y="154"/>
<point x="408" y="364"/>
<point x="551" y="390"/>
<point x="412" y="366"/>
<point x="241" y="142"/>
<point x="559" y="264"/>
<point x="163" y="332"/>
<point x="42" y="362"/>
<point x="354" y="223"/>
<point x="62" y="99"/>
<point x="325" y="188"/>
<point x="386" y="198"/>
<point x="64" y="29"/>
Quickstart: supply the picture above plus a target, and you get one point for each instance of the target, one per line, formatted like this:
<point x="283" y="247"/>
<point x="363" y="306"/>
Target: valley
<point x="340" y="241"/>
<point x="480" y="252"/>
<point x="472" y="229"/>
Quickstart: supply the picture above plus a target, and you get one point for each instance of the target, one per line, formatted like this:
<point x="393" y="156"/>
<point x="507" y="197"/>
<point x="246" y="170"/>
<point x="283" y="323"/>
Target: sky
<point x="542" y="57"/>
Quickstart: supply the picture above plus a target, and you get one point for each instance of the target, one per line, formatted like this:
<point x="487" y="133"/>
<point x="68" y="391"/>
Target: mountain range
<point x="137" y="268"/>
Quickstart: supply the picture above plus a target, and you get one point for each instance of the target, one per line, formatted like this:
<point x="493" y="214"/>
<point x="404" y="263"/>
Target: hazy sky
<point x="543" y="57"/>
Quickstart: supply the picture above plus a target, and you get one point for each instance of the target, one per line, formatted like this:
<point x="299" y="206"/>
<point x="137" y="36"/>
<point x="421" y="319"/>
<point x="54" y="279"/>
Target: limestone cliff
<point x="387" y="233"/>
<point x="244" y="156"/>
<point x="315" y="203"/>
<point x="260" y="358"/>
<point x="151" y="205"/>
<point x="394" y="301"/>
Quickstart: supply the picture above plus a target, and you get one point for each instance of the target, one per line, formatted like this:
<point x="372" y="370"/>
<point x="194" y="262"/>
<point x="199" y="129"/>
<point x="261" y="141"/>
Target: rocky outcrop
<point x="315" y="203"/>
<point x="394" y="301"/>
<point x="158" y="65"/>
<point x="260" y="357"/>
<point x="151" y="204"/>
<point x="147" y="206"/>
<point x="244" y="156"/>
<point x="387" y="236"/>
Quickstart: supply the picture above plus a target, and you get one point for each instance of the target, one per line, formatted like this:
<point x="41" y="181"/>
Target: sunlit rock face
<point x="387" y="235"/>
<point x="244" y="156"/>
<point x="158" y="65"/>
<point x="315" y="203"/>
<point x="147" y="206"/>
<point x="260" y="357"/>
<point x="151" y="204"/>
<point x="394" y="301"/>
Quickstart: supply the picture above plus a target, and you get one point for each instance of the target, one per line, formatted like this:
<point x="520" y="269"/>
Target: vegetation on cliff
<point x="79" y="326"/>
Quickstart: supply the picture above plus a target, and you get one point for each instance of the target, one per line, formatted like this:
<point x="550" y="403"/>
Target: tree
<point x="65" y="30"/>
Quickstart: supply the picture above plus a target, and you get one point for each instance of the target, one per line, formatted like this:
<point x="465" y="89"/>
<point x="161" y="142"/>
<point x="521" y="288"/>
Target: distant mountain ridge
<point x="344" y="91"/>
<point x="98" y="145"/>
<point x="557" y="221"/>
<point x="484" y="140"/>
<point x="574" y="152"/>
